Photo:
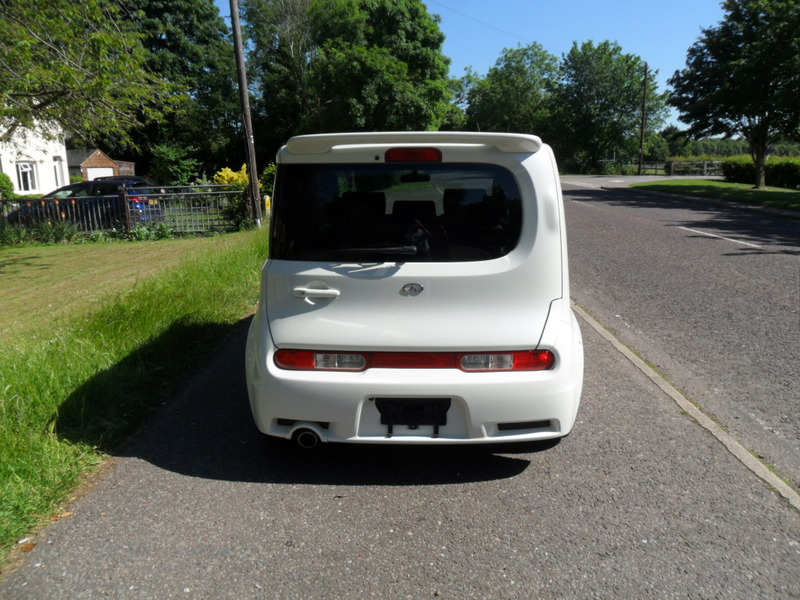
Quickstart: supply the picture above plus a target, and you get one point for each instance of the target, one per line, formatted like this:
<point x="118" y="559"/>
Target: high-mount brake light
<point x="310" y="360"/>
<point x="413" y="155"/>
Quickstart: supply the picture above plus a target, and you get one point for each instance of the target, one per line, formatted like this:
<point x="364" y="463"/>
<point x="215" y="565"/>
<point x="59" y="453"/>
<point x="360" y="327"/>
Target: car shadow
<point x="206" y="430"/>
<point x="775" y="233"/>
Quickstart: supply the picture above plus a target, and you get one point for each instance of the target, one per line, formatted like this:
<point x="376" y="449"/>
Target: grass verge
<point x="71" y="391"/>
<point x="55" y="283"/>
<point x="733" y="192"/>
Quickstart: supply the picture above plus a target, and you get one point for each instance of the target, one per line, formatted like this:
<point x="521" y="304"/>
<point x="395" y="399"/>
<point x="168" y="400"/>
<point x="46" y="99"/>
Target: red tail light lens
<point x="310" y="360"/>
<point x="413" y="155"/>
<point x="295" y="360"/>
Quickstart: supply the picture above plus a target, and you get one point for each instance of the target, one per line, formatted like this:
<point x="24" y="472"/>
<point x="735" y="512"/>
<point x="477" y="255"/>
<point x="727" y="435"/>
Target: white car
<point x="416" y="292"/>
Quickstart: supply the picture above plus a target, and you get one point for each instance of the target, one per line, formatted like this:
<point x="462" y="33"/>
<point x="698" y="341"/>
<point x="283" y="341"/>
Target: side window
<point x="76" y="190"/>
<point x="105" y="189"/>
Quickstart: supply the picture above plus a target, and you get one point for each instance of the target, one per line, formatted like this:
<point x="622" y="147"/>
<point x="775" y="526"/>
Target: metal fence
<point x="183" y="209"/>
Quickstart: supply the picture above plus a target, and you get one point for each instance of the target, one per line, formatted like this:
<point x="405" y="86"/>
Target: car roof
<point x="131" y="178"/>
<point x="111" y="179"/>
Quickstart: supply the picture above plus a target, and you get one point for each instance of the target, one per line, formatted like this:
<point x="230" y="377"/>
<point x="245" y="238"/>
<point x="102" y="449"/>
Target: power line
<point x="484" y="23"/>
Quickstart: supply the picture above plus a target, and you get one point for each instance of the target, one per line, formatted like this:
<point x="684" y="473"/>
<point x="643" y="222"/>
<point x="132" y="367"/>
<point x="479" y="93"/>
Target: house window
<point x="26" y="176"/>
<point x="58" y="170"/>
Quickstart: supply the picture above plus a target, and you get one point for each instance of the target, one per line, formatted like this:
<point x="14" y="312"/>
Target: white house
<point x="35" y="164"/>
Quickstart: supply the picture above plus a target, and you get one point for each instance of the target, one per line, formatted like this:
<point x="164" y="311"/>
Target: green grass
<point x="734" y="192"/>
<point x="43" y="284"/>
<point x="74" y="384"/>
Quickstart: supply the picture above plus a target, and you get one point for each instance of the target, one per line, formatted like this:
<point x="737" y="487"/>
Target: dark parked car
<point x="95" y="203"/>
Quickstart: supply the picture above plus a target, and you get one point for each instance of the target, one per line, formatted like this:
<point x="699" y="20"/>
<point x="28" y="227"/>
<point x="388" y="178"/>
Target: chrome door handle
<point x="306" y="293"/>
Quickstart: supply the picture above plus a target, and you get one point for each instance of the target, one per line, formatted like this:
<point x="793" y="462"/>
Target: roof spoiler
<point x="503" y="142"/>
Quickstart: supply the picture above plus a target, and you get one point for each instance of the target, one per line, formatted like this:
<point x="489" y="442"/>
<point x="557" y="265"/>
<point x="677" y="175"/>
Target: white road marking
<point x="733" y="446"/>
<point x="586" y="185"/>
<point x="720" y="237"/>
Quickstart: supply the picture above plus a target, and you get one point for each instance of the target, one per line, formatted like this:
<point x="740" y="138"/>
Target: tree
<point x="597" y="106"/>
<point x="742" y="78"/>
<point x="74" y="67"/>
<point x="6" y="187"/>
<point x="676" y="140"/>
<point x="173" y="166"/>
<point x="380" y="66"/>
<point x="347" y="65"/>
<point x="281" y="58"/>
<point x="188" y="45"/>
<point x="515" y="92"/>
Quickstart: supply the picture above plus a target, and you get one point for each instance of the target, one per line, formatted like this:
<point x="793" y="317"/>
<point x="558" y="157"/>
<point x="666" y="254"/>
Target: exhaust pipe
<point x="306" y="438"/>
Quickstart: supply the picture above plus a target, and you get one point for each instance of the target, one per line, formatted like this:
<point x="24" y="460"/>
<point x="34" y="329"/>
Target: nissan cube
<point x="416" y="292"/>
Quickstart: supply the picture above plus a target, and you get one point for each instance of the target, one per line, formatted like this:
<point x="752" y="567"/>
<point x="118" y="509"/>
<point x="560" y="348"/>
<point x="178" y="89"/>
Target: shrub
<point x="173" y="165"/>
<point x="55" y="232"/>
<point x="739" y="169"/>
<point x="266" y="184"/>
<point x="237" y="179"/>
<point x="783" y="172"/>
<point x="6" y="187"/>
<point x="267" y="179"/>
<point x="14" y="235"/>
<point x="140" y="233"/>
<point x="237" y="211"/>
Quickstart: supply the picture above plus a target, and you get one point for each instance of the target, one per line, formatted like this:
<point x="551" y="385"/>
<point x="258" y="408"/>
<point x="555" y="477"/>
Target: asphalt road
<point x="709" y="294"/>
<point x="638" y="502"/>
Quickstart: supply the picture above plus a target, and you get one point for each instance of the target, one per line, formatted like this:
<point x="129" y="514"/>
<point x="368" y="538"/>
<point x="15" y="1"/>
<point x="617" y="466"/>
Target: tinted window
<point x="106" y="189"/>
<point x="408" y="212"/>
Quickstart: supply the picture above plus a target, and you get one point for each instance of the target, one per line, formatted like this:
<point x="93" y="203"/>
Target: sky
<point x="477" y="31"/>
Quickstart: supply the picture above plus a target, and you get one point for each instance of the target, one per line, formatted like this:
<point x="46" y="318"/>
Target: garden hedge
<point x="782" y="172"/>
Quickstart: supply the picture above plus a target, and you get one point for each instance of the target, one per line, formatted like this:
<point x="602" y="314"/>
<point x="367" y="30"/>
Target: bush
<point x="782" y="172"/>
<point x="267" y="179"/>
<point x="55" y="232"/>
<point x="238" y="211"/>
<point x="172" y="164"/>
<point x="237" y="179"/>
<point x="739" y="169"/>
<point x="142" y="232"/>
<point x="6" y="187"/>
<point x="14" y="235"/>
<point x="45" y="232"/>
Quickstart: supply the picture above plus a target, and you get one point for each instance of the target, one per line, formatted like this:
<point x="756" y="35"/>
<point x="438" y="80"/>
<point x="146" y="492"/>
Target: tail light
<point x="310" y="360"/>
<point x="530" y="360"/>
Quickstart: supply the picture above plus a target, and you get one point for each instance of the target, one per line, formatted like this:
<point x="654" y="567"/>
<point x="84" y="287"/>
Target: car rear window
<point x="394" y="212"/>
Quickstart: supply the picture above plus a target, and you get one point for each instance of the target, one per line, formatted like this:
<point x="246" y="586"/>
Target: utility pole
<point x="255" y="195"/>
<point x="644" y="120"/>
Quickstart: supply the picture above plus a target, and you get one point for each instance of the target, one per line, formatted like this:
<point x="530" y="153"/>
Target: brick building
<point x="90" y="164"/>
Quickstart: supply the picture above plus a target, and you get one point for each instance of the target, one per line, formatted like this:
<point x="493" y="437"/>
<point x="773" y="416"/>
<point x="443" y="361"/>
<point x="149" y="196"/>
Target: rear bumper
<point x="484" y="407"/>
